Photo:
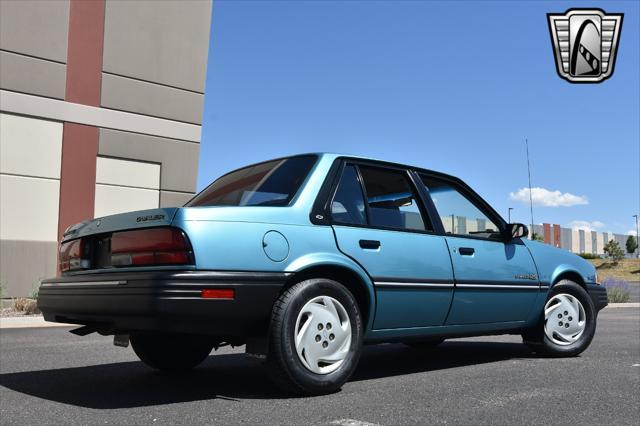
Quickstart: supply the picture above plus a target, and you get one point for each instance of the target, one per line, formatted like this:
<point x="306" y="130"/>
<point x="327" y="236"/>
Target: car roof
<point x="332" y="156"/>
<point x="463" y="184"/>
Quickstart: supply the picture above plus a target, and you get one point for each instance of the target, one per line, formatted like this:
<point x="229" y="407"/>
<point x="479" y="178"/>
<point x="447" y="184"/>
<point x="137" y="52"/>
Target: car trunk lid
<point x="121" y="222"/>
<point x="139" y="238"/>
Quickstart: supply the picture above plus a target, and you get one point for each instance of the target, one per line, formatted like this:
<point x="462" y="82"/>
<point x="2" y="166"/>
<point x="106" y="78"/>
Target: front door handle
<point x="370" y="244"/>
<point x="466" y="251"/>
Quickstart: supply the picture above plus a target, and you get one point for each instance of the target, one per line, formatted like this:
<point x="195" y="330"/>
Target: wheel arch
<point x="562" y="272"/>
<point x="571" y="275"/>
<point x="351" y="276"/>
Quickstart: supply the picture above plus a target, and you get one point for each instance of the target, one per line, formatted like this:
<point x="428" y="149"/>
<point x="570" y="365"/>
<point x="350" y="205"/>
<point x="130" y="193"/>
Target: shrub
<point x="589" y="256"/>
<point x="35" y="288"/>
<point x="19" y="304"/>
<point x="631" y="244"/>
<point x="617" y="290"/>
<point x="618" y="296"/>
<point x="25" y="305"/>
<point x="613" y="249"/>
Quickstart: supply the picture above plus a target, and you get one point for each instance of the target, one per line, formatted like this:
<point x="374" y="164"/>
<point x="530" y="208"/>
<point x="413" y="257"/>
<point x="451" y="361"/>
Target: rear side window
<point x="391" y="199"/>
<point x="348" y="203"/>
<point x="273" y="183"/>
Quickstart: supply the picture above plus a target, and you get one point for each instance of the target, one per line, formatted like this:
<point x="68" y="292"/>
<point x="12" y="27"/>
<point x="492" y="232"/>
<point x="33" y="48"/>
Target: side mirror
<point x="516" y="230"/>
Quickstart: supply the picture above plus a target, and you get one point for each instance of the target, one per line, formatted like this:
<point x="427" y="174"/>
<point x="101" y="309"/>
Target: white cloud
<point x="546" y="198"/>
<point x="631" y="232"/>
<point x="586" y="225"/>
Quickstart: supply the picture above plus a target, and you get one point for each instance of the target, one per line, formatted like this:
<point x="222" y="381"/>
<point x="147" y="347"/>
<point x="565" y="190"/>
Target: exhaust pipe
<point x="84" y="330"/>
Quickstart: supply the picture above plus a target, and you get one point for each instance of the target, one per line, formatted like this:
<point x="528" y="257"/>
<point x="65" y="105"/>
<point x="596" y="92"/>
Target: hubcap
<point x="564" y="319"/>
<point x="322" y="334"/>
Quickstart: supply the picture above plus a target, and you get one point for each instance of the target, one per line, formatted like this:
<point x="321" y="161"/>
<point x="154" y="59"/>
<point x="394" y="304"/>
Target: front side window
<point x="459" y="215"/>
<point x="391" y="200"/>
<point x="273" y="183"/>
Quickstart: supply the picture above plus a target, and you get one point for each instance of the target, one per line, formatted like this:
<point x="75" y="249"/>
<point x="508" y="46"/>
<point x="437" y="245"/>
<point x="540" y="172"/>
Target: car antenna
<point x="526" y="141"/>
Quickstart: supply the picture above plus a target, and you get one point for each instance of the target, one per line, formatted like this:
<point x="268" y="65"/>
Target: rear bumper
<point x="598" y="295"/>
<point x="168" y="301"/>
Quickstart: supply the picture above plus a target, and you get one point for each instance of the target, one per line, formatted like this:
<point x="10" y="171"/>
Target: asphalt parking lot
<point x="48" y="376"/>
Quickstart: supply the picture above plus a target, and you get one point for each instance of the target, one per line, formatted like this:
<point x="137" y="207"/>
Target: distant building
<point x="577" y="240"/>
<point x="100" y="112"/>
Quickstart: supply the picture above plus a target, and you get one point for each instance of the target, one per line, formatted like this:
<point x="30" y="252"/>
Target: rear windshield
<point x="273" y="183"/>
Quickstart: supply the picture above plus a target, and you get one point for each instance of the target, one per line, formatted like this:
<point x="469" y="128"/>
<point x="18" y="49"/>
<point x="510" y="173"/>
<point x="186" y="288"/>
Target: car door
<point x="495" y="280"/>
<point x="379" y="221"/>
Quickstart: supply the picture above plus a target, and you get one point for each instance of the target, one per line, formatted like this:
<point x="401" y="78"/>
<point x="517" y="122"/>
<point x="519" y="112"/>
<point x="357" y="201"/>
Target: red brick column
<point x="557" y="239"/>
<point x="547" y="233"/>
<point x="80" y="142"/>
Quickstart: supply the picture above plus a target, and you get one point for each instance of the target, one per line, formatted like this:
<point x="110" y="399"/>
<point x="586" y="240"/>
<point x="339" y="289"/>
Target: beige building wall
<point x="30" y="151"/>
<point x="600" y="241"/>
<point x="448" y="223"/>
<point x="575" y="241"/>
<point x="147" y="116"/>
<point x="588" y="246"/>
<point x="125" y="185"/>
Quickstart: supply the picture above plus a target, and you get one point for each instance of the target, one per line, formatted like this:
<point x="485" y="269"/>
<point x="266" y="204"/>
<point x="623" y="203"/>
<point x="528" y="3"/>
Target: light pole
<point x="637" y="234"/>
<point x="509" y="214"/>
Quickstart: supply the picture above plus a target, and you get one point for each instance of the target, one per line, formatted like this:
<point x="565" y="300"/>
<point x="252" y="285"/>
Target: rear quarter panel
<point x="238" y="246"/>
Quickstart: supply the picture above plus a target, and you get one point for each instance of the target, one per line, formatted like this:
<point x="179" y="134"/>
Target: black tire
<point x="540" y="343"/>
<point x="283" y="364"/>
<point x="424" y="344"/>
<point x="171" y="352"/>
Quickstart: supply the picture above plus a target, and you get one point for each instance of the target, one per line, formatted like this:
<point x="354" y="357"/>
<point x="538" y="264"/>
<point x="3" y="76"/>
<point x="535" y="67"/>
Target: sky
<point x="449" y="86"/>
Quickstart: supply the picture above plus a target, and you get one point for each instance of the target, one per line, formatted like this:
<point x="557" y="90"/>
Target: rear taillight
<point x="71" y="256"/>
<point x="157" y="246"/>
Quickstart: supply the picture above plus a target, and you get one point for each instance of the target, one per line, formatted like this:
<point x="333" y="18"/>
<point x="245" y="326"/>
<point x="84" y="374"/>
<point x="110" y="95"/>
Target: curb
<point x="623" y="305"/>
<point x="30" y="322"/>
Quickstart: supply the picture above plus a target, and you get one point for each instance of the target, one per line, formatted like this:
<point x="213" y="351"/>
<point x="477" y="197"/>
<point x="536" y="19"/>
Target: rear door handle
<point x="466" y="251"/>
<point x="370" y="244"/>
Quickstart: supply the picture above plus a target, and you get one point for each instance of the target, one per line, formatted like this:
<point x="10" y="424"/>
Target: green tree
<point x="537" y="237"/>
<point x="632" y="244"/>
<point x="613" y="249"/>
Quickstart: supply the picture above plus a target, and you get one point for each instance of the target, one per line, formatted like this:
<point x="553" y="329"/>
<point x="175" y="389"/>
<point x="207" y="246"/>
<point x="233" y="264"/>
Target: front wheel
<point x="568" y="323"/>
<point x="315" y="337"/>
<point x="171" y="352"/>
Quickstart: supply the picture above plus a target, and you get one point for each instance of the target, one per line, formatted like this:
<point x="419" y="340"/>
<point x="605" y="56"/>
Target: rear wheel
<point x="171" y="352"/>
<point x="568" y="323"/>
<point x="315" y="337"/>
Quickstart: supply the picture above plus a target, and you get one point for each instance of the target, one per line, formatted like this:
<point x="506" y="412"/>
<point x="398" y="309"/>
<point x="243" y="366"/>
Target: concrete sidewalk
<point x="624" y="305"/>
<point x="37" y="321"/>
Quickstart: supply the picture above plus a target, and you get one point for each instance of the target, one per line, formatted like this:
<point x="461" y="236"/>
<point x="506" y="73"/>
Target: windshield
<point x="273" y="183"/>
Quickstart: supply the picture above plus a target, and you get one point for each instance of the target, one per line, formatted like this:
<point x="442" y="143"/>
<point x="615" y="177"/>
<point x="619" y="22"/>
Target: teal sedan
<point x="307" y="258"/>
